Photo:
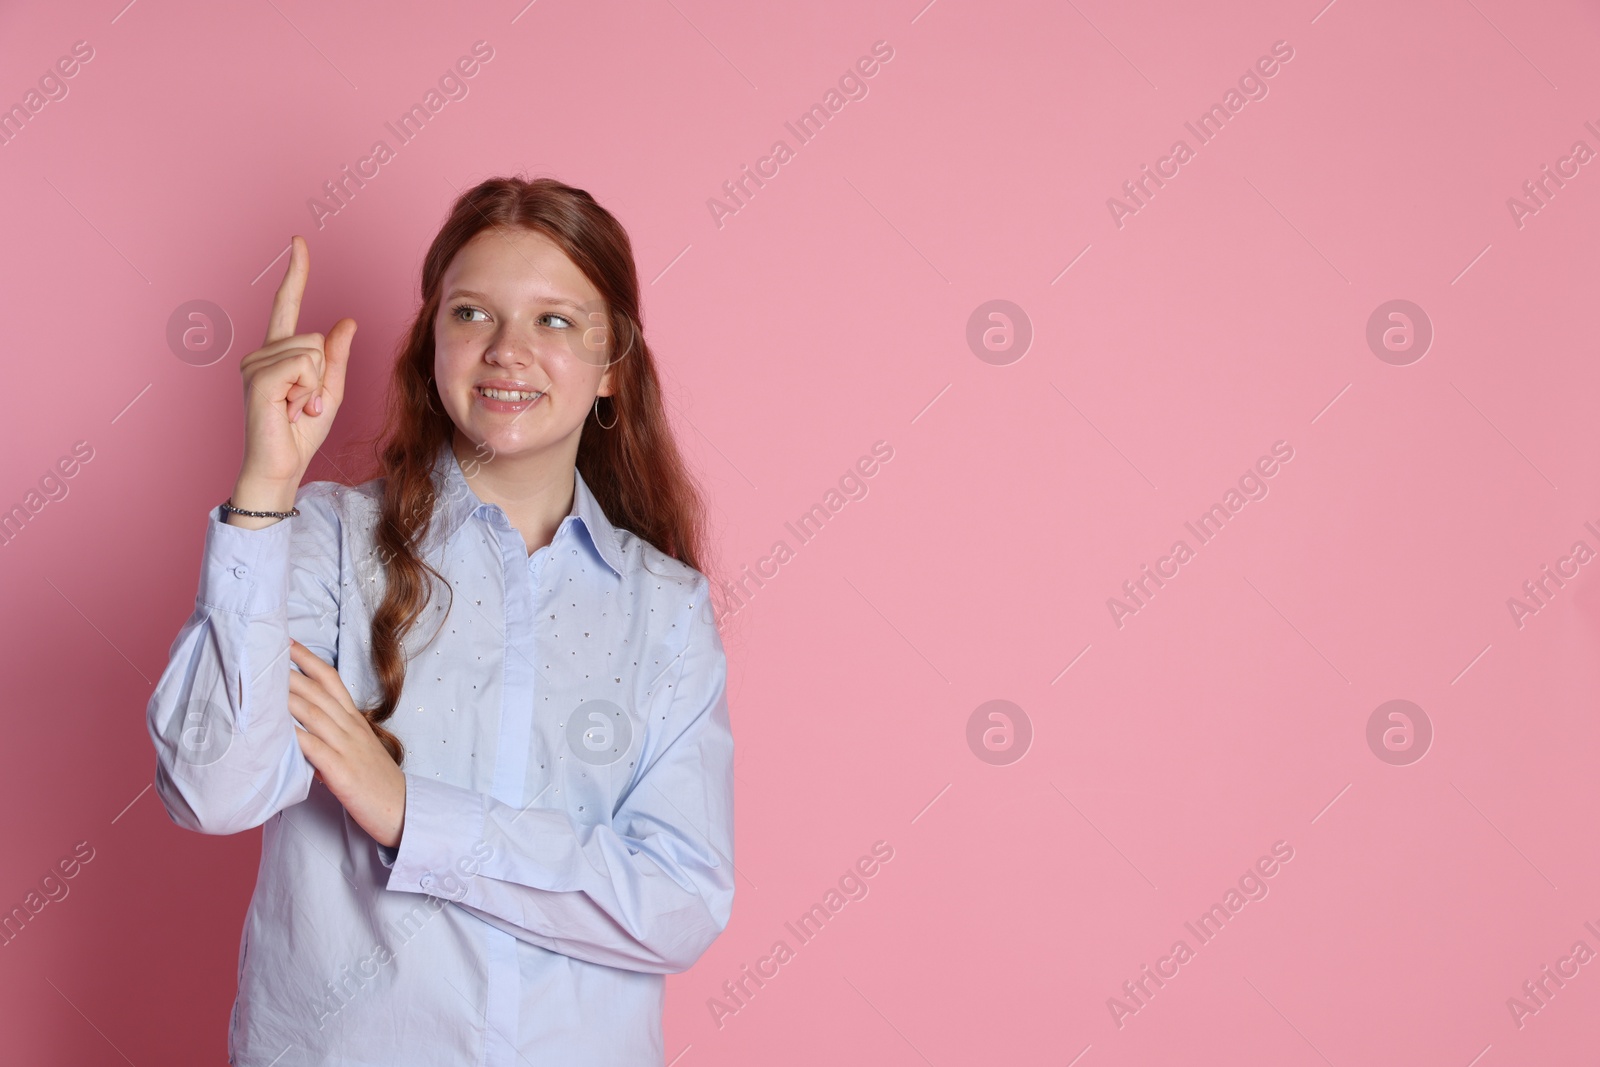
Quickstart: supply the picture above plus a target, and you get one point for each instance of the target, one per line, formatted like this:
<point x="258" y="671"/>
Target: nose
<point x="509" y="348"/>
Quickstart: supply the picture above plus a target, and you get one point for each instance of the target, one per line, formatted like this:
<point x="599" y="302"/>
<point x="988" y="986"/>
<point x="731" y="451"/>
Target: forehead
<point x="514" y="263"/>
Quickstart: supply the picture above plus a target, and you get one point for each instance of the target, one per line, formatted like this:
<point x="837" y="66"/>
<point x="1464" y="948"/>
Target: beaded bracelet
<point x="291" y="513"/>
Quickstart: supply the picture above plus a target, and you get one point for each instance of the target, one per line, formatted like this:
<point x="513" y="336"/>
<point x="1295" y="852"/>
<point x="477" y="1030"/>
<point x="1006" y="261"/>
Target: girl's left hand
<point x="340" y="744"/>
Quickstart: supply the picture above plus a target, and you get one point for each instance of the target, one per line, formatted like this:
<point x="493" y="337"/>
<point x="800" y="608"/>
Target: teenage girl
<point x="477" y="703"/>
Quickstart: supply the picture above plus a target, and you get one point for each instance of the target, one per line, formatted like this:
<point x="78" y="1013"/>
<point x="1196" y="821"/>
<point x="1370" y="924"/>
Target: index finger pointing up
<point x="286" y="302"/>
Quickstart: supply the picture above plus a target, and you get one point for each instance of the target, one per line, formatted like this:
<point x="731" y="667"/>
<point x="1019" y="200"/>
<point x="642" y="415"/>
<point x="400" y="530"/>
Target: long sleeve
<point x="226" y="754"/>
<point x="647" y="891"/>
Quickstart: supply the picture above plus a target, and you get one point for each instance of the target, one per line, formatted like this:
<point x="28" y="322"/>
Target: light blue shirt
<point x="568" y="835"/>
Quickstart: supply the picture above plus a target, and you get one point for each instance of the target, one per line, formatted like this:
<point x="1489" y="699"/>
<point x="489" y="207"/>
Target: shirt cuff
<point x="443" y="823"/>
<point x="244" y="571"/>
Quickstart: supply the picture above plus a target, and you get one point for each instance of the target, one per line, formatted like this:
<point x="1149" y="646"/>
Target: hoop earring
<point x="614" y="421"/>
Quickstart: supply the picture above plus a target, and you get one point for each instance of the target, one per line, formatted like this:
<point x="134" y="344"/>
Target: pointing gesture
<point x="293" y="387"/>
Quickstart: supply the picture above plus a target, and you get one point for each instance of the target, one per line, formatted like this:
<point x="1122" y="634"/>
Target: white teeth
<point x="507" y="394"/>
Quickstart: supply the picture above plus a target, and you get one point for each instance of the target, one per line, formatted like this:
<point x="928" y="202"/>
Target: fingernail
<point x="295" y="416"/>
<point x="316" y="405"/>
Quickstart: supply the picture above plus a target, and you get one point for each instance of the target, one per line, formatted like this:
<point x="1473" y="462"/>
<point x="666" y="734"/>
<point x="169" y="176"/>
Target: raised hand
<point x="293" y="387"/>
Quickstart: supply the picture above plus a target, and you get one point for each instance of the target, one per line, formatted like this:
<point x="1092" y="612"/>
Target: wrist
<point x="252" y="495"/>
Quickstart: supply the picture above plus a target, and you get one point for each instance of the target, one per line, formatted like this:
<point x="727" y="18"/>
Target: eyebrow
<point x="561" y="300"/>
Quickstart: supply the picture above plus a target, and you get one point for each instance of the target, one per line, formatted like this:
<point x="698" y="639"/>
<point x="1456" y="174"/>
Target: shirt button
<point x="426" y="881"/>
<point x="240" y="571"/>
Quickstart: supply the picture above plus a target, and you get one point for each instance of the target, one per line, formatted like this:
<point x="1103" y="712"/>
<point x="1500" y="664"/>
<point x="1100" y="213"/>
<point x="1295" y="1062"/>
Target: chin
<point x="510" y="445"/>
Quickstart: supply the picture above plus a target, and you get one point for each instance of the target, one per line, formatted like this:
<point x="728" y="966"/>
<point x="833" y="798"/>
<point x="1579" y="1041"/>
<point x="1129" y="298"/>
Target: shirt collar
<point x="459" y="502"/>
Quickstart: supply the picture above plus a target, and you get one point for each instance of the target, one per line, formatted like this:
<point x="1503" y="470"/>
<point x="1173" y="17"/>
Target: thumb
<point x="336" y="353"/>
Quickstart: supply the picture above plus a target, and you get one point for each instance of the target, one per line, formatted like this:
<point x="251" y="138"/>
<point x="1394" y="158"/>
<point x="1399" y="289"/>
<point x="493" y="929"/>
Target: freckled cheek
<point x="588" y="346"/>
<point x="568" y="361"/>
<point x="452" y="365"/>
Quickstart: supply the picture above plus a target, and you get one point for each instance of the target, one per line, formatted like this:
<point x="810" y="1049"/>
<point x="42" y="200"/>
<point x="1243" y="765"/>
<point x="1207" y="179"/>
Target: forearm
<point x="228" y="758"/>
<point x="650" y="903"/>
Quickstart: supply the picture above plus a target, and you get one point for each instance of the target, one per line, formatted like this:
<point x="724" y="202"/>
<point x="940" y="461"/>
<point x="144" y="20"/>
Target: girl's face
<point x="517" y="317"/>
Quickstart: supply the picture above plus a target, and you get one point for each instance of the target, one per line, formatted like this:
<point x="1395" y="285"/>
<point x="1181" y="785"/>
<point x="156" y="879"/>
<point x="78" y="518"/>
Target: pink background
<point x="831" y="312"/>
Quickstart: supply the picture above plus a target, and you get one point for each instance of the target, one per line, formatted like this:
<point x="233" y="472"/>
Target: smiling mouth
<point x="512" y="395"/>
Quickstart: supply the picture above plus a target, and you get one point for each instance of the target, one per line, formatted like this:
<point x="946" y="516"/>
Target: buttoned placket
<point x="522" y="572"/>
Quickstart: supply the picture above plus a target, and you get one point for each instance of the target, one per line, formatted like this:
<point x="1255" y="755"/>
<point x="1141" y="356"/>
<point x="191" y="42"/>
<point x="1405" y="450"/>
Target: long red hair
<point x="632" y="464"/>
